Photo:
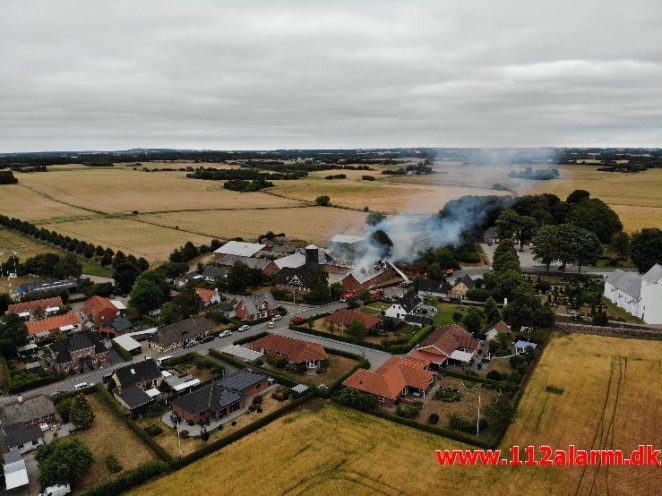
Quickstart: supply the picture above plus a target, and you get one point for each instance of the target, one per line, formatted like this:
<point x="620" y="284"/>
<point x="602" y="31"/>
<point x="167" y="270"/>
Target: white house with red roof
<point x="449" y="344"/>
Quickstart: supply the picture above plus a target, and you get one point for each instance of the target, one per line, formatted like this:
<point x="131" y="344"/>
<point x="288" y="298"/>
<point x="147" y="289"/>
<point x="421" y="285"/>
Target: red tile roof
<point x="101" y="309"/>
<point x="346" y="316"/>
<point x="501" y="326"/>
<point x="392" y="377"/>
<point x="31" y="306"/>
<point x="52" y="323"/>
<point x="445" y="340"/>
<point x="205" y="294"/>
<point x="295" y="350"/>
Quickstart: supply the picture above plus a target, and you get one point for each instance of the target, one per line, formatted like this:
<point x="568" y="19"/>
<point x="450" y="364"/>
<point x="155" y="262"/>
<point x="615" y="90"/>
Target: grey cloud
<point x="231" y="75"/>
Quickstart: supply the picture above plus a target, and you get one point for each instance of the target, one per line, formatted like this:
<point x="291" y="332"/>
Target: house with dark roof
<point x="296" y="351"/>
<point x="417" y="320"/>
<point x="221" y="397"/>
<point x="427" y="288"/>
<point x="397" y="378"/>
<point x="252" y="263"/>
<point x="447" y="345"/>
<point x="175" y="335"/>
<point x="22" y="439"/>
<point x="79" y="351"/>
<point x="405" y="305"/>
<point x="461" y="286"/>
<point x="116" y="327"/>
<point x="300" y="279"/>
<point x="256" y="306"/>
<point x="136" y="385"/>
<point x="345" y="316"/>
<point x="213" y="273"/>
<point x="29" y="411"/>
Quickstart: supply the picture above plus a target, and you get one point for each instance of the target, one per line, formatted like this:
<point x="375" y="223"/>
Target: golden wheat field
<point x="611" y="398"/>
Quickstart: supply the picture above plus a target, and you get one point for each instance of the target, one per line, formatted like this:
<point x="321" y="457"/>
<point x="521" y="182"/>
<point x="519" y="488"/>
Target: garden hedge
<point x="130" y="479"/>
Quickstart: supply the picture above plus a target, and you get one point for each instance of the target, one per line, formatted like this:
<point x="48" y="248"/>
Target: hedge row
<point x="119" y="411"/>
<point x="130" y="479"/>
<point x="244" y="431"/>
<point x="248" y="339"/>
<point x="192" y="357"/>
<point x="468" y="377"/>
<point x="343" y="353"/>
<point x="122" y="351"/>
<point x="440" y="431"/>
<point x="335" y="337"/>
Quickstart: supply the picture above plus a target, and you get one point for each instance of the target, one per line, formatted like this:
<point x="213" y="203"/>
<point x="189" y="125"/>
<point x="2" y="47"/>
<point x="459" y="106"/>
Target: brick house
<point x="369" y="276"/>
<point x="257" y="306"/>
<point x="450" y="344"/>
<point x="175" y="335"/>
<point x="220" y="398"/>
<point x="396" y="378"/>
<point x="99" y="309"/>
<point x="342" y="318"/>
<point x="78" y="351"/>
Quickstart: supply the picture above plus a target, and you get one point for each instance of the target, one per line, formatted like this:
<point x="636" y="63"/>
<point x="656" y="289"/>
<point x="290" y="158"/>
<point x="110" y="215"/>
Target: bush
<point x="433" y="418"/>
<point x="447" y="394"/>
<point x="494" y="375"/>
<point x="554" y="390"/>
<point x="409" y="411"/>
<point x="356" y="399"/>
<point x="464" y="425"/>
<point x="130" y="479"/>
<point x="113" y="465"/>
<point x="153" y="430"/>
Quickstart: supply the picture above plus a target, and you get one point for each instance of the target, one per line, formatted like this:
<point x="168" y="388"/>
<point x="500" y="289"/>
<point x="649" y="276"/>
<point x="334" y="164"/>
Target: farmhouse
<point x="228" y="261"/>
<point x="175" y="335"/>
<point x="404" y="306"/>
<point x="254" y="307"/>
<point x="27" y="309"/>
<point x="208" y="296"/>
<point x="368" y="276"/>
<point x="396" y="378"/>
<point x="213" y="273"/>
<point x="79" y="351"/>
<point x="298" y="260"/>
<point x="297" y="352"/>
<point x="342" y="318"/>
<point x="239" y="248"/>
<point x="220" y="398"/>
<point x="29" y="411"/>
<point x="300" y="279"/>
<point x="638" y="295"/>
<point x="99" y="310"/>
<point x="39" y="329"/>
<point x="447" y="345"/>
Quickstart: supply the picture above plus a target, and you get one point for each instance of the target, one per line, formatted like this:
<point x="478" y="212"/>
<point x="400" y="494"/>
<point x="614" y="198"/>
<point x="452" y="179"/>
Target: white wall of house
<point x="651" y="302"/>
<point x="395" y="311"/>
<point x="628" y="303"/>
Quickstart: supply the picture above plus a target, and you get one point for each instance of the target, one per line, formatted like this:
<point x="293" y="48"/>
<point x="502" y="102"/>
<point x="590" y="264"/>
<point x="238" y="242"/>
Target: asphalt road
<point x="281" y="327"/>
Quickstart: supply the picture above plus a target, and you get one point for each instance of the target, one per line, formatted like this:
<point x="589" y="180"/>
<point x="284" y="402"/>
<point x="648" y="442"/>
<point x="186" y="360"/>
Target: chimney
<point x="312" y="258"/>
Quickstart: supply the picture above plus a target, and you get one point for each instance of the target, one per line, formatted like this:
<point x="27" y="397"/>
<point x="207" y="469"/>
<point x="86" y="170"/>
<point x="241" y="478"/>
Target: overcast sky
<point x="244" y="75"/>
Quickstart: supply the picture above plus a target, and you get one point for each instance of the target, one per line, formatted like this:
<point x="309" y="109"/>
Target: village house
<point x="184" y="279"/>
<point x="175" y="335"/>
<point x="212" y="273"/>
<point x="36" y="410"/>
<point x="494" y="330"/>
<point x="136" y="385"/>
<point x="208" y="296"/>
<point x="46" y="307"/>
<point x="448" y="345"/>
<point x="297" y="352"/>
<point x="298" y="260"/>
<point x="22" y="439"/>
<point x="427" y="288"/>
<point x="79" y="351"/>
<point x="397" y="378"/>
<point x="344" y="317"/>
<point x="461" y="286"/>
<point x="638" y="295"/>
<point x="238" y="248"/>
<point x="369" y="276"/>
<point x="100" y="310"/>
<point x="405" y="305"/>
<point x="221" y="397"/>
<point x="116" y="327"/>
<point x="257" y="306"/>
<point x="46" y="328"/>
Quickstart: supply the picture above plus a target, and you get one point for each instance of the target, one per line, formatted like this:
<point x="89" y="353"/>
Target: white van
<point x="162" y="359"/>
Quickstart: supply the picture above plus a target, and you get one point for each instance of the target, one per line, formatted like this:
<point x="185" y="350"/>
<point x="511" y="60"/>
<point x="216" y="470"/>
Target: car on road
<point x="244" y="328"/>
<point x="297" y="319"/>
<point x="225" y="334"/>
<point x="82" y="385"/>
<point x="191" y="344"/>
<point x="270" y="324"/>
<point x="206" y="339"/>
<point x="277" y="317"/>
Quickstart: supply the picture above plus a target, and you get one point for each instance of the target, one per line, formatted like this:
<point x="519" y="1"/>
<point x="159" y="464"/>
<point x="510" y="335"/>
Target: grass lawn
<point x="338" y="365"/>
<point x="616" y="312"/>
<point x="375" y="308"/>
<point x="110" y="436"/>
<point x="444" y="315"/>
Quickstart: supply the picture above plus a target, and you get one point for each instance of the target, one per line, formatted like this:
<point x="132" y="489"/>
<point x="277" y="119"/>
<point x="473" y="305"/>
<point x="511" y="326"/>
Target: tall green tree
<point x="81" y="413"/>
<point x="491" y="311"/>
<point x="596" y="216"/>
<point x="522" y="227"/>
<point x="146" y="295"/>
<point x="646" y="248"/>
<point x="238" y="277"/>
<point x="13" y="333"/>
<point x="357" y="330"/>
<point x="545" y="245"/>
<point x="505" y="257"/>
<point x="620" y="245"/>
<point x="63" y="462"/>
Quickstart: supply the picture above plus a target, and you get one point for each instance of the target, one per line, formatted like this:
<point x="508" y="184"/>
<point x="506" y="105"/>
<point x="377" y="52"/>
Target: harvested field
<point x="140" y="239"/>
<point x="25" y="204"/>
<point x="611" y="397"/>
<point x="315" y="224"/>
<point x="110" y="436"/>
<point x="124" y="190"/>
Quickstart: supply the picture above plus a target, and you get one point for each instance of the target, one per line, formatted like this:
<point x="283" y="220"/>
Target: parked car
<point x="225" y="334"/>
<point x="270" y="324"/>
<point x="244" y="328"/>
<point x="191" y="344"/>
<point x="82" y="385"/>
<point x="59" y="490"/>
<point x="298" y="319"/>
<point x="206" y="339"/>
<point x="277" y="317"/>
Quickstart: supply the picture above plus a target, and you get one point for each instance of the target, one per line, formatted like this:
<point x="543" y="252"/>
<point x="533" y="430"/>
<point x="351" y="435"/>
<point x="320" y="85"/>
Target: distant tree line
<point x="247" y="186"/>
<point x="536" y="175"/>
<point x="243" y="174"/>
